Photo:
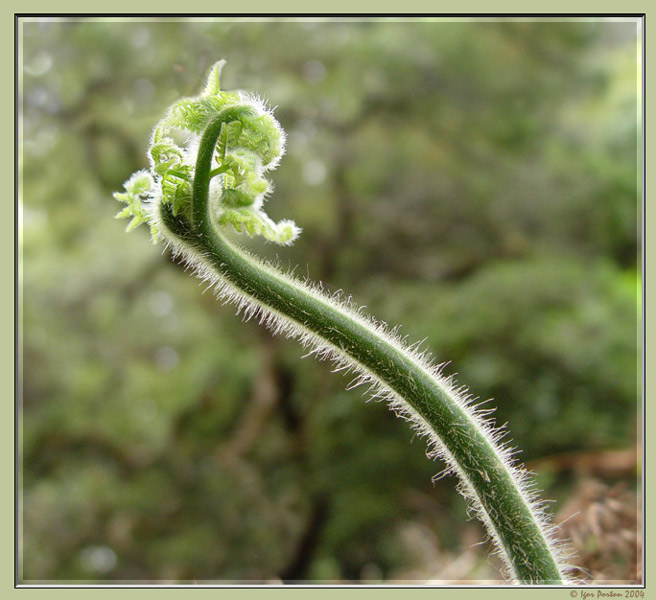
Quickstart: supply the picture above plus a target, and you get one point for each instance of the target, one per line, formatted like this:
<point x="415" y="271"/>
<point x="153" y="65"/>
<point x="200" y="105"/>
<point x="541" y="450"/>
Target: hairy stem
<point x="497" y="489"/>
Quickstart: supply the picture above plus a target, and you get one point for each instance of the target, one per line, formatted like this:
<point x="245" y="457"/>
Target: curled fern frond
<point x="250" y="143"/>
<point x="215" y="178"/>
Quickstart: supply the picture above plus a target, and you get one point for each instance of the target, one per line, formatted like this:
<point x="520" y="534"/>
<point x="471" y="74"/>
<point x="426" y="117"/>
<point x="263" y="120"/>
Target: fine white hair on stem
<point x="251" y="308"/>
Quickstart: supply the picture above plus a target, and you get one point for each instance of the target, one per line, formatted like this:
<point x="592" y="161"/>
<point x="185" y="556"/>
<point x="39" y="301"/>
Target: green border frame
<point x="556" y="7"/>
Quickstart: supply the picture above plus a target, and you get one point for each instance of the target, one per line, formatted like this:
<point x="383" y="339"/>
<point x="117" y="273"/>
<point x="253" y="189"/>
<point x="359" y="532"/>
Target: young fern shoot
<point x="217" y="179"/>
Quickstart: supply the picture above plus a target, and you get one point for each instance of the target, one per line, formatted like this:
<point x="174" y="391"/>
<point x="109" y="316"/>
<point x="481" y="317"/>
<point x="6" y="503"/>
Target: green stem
<point x="218" y="171"/>
<point x="496" y="488"/>
<point x="203" y="172"/>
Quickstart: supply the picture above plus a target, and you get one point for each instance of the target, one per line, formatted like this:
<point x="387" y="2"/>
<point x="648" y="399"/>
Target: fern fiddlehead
<point x="217" y="178"/>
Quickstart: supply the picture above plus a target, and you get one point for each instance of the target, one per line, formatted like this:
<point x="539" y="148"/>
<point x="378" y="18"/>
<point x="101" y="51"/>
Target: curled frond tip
<point x="251" y="142"/>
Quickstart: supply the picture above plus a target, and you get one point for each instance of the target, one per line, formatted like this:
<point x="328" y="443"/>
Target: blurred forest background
<point x="476" y="181"/>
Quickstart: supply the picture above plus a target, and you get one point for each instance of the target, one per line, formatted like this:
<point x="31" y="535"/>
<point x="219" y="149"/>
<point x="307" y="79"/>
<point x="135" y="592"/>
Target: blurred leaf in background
<point x="477" y="181"/>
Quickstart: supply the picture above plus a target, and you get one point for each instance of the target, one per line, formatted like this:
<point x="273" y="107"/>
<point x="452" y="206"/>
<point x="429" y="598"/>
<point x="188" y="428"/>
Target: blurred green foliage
<point x="476" y="181"/>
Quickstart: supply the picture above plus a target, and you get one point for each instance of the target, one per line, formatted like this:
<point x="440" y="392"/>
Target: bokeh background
<point x="477" y="181"/>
